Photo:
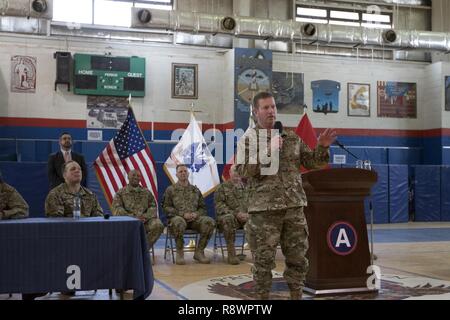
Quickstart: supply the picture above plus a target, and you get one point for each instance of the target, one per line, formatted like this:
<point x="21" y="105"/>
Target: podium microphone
<point x="343" y="148"/>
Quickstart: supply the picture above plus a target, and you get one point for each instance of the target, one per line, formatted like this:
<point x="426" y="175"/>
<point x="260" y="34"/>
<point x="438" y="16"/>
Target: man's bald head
<point x="134" y="177"/>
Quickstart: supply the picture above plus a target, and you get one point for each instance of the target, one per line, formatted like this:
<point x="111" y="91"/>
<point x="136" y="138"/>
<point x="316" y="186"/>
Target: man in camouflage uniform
<point x="276" y="197"/>
<point x="185" y="207"/>
<point x="59" y="202"/>
<point x="12" y="205"/>
<point x="136" y="201"/>
<point x="231" y="211"/>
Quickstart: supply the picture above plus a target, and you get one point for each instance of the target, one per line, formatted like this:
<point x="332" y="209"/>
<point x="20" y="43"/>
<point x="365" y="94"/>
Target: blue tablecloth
<point x="112" y="254"/>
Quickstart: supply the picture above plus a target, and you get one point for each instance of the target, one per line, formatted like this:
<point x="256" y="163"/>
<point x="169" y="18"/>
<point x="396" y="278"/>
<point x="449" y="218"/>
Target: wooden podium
<point x="338" y="244"/>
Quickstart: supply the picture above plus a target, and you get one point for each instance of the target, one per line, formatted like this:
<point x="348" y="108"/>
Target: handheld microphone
<point x="279" y="126"/>
<point x="345" y="149"/>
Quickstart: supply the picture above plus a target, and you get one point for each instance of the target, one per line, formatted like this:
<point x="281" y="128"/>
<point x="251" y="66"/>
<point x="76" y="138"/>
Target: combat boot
<point x="180" y="253"/>
<point x="199" y="254"/>
<point x="232" y="258"/>
<point x="296" y="295"/>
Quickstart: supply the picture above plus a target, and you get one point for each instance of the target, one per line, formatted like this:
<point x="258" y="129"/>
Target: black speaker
<point x="63" y="68"/>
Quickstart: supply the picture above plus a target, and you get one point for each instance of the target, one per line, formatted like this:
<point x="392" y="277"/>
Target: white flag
<point x="193" y="151"/>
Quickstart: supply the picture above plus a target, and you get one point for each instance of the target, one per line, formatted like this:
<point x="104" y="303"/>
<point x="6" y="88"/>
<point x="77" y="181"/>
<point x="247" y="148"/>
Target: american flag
<point x="125" y="152"/>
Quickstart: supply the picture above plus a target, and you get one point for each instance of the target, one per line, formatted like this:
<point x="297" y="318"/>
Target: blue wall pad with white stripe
<point x="398" y="194"/>
<point x="405" y="156"/>
<point x="445" y="193"/>
<point x="379" y="197"/>
<point x="427" y="193"/>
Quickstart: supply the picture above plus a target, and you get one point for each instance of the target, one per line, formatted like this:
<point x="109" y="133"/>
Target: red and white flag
<point x="306" y="132"/>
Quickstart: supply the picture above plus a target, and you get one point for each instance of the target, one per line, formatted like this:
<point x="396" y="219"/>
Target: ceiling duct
<point x="278" y="30"/>
<point x="42" y="9"/>
<point x="404" y="3"/>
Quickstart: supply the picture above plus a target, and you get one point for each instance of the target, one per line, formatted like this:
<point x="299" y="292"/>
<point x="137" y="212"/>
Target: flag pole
<point x="191" y="245"/>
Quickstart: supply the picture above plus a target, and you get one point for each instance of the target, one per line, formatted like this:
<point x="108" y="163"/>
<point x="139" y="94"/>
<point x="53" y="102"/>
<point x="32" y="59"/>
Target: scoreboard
<point x="108" y="75"/>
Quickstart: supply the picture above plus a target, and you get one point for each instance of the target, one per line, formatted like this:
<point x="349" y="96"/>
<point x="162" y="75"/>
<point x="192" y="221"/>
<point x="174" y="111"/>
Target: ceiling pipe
<point x="279" y="30"/>
<point x="42" y="9"/>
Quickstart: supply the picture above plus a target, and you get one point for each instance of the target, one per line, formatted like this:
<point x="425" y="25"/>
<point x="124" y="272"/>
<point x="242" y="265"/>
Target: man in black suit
<point x="56" y="160"/>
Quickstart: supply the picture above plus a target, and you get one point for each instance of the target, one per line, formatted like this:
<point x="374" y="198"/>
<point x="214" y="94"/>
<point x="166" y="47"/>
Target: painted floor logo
<point x="393" y="287"/>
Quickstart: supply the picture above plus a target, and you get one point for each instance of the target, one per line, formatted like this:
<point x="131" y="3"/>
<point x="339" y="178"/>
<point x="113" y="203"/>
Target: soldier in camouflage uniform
<point x="59" y="201"/>
<point x="136" y="201"/>
<point x="12" y="205"/>
<point x="185" y="207"/>
<point x="276" y="198"/>
<point x="231" y="211"/>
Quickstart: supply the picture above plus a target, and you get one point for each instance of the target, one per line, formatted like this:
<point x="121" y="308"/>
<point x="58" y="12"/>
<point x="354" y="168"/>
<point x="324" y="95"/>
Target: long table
<point x="45" y="254"/>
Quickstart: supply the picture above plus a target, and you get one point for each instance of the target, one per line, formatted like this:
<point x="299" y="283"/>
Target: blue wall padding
<point x="427" y="193"/>
<point x="446" y="157"/>
<point x="398" y="194"/>
<point x="405" y="156"/>
<point x="30" y="179"/>
<point x="432" y="151"/>
<point x="425" y="150"/>
<point x="445" y="193"/>
<point x="379" y="197"/>
<point x="7" y="147"/>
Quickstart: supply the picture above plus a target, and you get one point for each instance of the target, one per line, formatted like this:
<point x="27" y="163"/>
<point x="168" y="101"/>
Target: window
<point x="377" y="17"/>
<point x="301" y="11"/>
<point x="103" y="12"/>
<point x="79" y="11"/>
<point x="115" y="13"/>
<point x="355" y="18"/>
<point x="346" y="15"/>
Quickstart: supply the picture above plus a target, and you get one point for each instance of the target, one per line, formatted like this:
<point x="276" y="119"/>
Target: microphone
<point x="279" y="126"/>
<point x="106" y="216"/>
<point x="345" y="149"/>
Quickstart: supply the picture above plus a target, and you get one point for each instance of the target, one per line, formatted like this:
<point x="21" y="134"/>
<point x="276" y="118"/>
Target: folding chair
<point x="169" y="246"/>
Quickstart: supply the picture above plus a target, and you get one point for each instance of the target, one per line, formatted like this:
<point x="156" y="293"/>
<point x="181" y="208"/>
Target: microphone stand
<point x="345" y="149"/>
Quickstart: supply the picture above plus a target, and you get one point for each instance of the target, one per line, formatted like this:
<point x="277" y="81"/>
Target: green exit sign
<point x="109" y="76"/>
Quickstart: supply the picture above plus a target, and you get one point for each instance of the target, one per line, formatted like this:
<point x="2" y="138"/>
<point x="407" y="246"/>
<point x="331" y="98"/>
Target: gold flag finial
<point x="129" y="100"/>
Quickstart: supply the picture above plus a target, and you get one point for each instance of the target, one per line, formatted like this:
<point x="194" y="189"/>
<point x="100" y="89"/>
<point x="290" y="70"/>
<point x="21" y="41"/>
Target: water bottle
<point x="359" y="164"/>
<point x="76" y="207"/>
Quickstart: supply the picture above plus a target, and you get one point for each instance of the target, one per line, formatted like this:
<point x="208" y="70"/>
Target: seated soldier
<point x="231" y="210"/>
<point x="185" y="207"/>
<point x="12" y="205"/>
<point x="136" y="201"/>
<point x="59" y="202"/>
